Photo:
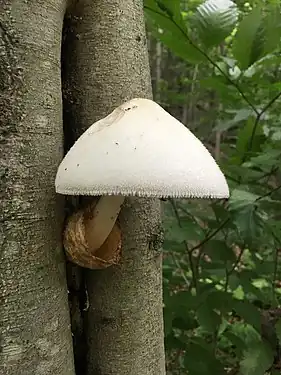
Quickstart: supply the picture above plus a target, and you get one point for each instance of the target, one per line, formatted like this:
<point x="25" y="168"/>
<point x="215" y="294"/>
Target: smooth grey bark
<point x="35" y="335"/>
<point x="106" y="63"/>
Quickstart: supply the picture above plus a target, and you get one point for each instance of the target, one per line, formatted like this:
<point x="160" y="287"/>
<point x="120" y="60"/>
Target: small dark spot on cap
<point x="117" y="143"/>
<point x="65" y="169"/>
<point x="77" y="165"/>
<point x="132" y="107"/>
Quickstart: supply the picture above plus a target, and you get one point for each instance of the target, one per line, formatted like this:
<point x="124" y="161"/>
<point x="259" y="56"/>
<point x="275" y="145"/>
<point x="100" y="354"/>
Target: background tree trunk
<point x="106" y="63"/>
<point x="35" y="336"/>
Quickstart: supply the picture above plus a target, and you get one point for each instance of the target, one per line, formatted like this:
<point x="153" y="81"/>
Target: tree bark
<point x="106" y="63"/>
<point x="35" y="335"/>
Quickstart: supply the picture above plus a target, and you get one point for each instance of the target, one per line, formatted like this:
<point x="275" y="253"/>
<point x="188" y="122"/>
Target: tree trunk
<point x="106" y="63"/>
<point x="35" y="336"/>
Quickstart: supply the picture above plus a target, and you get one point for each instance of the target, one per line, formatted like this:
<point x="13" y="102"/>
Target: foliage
<point x="221" y="259"/>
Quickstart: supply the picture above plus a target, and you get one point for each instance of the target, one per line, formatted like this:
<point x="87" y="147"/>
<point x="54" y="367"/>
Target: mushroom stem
<point x="99" y="221"/>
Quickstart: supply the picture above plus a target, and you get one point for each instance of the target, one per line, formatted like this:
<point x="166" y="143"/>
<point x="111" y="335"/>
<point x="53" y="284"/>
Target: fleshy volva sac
<point x="137" y="150"/>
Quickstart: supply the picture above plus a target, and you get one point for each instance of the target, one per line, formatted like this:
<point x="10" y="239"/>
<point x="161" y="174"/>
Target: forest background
<point x="216" y="67"/>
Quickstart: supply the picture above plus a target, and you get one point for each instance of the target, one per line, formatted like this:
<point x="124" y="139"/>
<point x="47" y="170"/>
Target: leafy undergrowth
<point x="221" y="259"/>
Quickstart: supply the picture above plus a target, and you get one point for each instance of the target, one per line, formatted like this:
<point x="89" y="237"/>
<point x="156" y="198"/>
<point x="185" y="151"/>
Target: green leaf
<point x="235" y="339"/>
<point x="249" y="139"/>
<point x="248" y="43"/>
<point x="171" y="8"/>
<point x="208" y="319"/>
<point x="219" y="251"/>
<point x="245" y="215"/>
<point x="257" y="360"/>
<point x="241" y="115"/>
<point x="246" y="333"/>
<point x="184" y="322"/>
<point x="199" y="360"/>
<point x="272" y="25"/>
<point x="220" y="300"/>
<point x="268" y="158"/>
<point x="181" y="300"/>
<point x="258" y="34"/>
<point x="215" y="20"/>
<point x="220" y="211"/>
<point x="189" y="230"/>
<point x="173" y="342"/>
<point x="166" y="24"/>
<point x="241" y="199"/>
<point x="249" y="313"/>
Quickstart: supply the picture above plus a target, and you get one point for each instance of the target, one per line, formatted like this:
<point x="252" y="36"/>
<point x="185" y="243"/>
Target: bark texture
<point x="106" y="63"/>
<point x="35" y="336"/>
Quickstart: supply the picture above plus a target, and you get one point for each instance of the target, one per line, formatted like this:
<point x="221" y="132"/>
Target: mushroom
<point x="137" y="150"/>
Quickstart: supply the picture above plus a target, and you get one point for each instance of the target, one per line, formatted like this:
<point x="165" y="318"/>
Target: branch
<point x="258" y="117"/>
<point x="210" y="236"/>
<point x="269" y="193"/>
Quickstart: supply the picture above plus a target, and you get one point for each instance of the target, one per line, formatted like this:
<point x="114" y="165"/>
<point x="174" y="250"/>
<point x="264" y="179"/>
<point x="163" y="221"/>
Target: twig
<point x="210" y="236"/>
<point x="193" y="271"/>
<point x="269" y="193"/>
<point x="258" y="117"/>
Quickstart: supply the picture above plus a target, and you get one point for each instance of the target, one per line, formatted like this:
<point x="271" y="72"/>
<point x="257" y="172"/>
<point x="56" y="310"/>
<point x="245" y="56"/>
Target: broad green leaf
<point x="249" y="313"/>
<point x="167" y="25"/>
<point x="220" y="212"/>
<point x="180" y="301"/>
<point x="189" y="230"/>
<point x="272" y="25"/>
<point x="258" y="34"/>
<point x="268" y="158"/>
<point x="184" y="322"/>
<point x="248" y="220"/>
<point x="248" y="42"/>
<point x="238" y="293"/>
<point x="172" y="342"/>
<point x="246" y="333"/>
<point x="249" y="139"/>
<point x="215" y="20"/>
<point x="223" y="327"/>
<point x="235" y="339"/>
<point x="208" y="319"/>
<point x="201" y="361"/>
<point x="219" y="251"/>
<point x="240" y="199"/>
<point x="171" y="8"/>
<point x="219" y="84"/>
<point x="246" y="280"/>
<point x="220" y="300"/>
<point x="173" y="245"/>
<point x="257" y="359"/>
<point x="241" y="115"/>
<point x="213" y="271"/>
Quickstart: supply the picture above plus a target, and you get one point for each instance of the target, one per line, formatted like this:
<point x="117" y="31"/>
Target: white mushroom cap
<point x="140" y="149"/>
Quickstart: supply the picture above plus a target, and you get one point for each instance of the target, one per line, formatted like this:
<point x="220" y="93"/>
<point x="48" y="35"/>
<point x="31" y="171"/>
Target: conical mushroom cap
<point x="140" y="149"/>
